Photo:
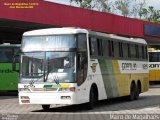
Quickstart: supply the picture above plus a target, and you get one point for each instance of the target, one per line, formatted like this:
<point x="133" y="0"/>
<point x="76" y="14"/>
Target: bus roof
<point x="72" y="30"/>
<point x="54" y="31"/>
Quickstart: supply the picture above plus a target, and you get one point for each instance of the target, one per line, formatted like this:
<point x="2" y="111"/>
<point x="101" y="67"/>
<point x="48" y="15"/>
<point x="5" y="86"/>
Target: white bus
<point x="75" y="66"/>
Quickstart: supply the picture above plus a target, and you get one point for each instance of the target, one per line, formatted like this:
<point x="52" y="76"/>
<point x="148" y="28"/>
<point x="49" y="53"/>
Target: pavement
<point x="147" y="107"/>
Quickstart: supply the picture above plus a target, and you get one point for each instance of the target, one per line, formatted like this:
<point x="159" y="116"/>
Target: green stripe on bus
<point x="108" y="78"/>
<point x="51" y="86"/>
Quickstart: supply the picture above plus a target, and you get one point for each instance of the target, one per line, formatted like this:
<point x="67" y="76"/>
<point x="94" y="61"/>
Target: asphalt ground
<point x="147" y="107"/>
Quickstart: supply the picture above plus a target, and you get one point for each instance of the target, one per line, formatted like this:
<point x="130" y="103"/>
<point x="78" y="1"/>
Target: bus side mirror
<point x="14" y="63"/>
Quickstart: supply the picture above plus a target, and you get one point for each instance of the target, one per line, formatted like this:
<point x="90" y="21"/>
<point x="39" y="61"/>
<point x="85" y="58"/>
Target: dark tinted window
<point x="111" y="48"/>
<point x="116" y="49"/>
<point x="6" y="55"/>
<point x="140" y="51"/>
<point x="99" y="45"/>
<point x="105" y="47"/>
<point x="125" y="50"/>
<point x="137" y="51"/>
<point x="154" y="56"/>
<point x="120" y="49"/>
<point x="133" y="51"/>
<point x="82" y="42"/>
<point x="93" y="47"/>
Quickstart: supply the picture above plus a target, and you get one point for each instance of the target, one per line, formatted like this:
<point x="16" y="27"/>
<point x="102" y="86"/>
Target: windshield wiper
<point x="48" y="72"/>
<point x="46" y="76"/>
<point x="56" y="79"/>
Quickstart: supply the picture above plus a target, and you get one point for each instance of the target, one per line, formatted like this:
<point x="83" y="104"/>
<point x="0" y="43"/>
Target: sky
<point x="155" y="3"/>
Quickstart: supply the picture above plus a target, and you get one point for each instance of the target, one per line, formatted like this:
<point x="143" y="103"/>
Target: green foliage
<point x="150" y="14"/>
<point x="123" y="6"/>
<point x="84" y="3"/>
<point x="127" y="8"/>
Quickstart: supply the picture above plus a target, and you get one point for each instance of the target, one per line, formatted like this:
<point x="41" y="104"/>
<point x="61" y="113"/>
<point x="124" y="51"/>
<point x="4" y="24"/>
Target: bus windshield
<point x="48" y="67"/>
<point x="48" y="43"/>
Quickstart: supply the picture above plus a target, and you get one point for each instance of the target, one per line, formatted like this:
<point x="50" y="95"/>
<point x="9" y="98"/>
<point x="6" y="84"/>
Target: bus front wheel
<point x="132" y="92"/>
<point x="92" y="99"/>
<point x="45" y="107"/>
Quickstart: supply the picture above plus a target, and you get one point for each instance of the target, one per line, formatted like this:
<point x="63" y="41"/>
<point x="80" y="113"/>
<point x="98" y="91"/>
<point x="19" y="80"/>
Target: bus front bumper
<point x="47" y="98"/>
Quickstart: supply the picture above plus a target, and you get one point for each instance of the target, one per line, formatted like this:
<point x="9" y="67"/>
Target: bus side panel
<point x="157" y="75"/>
<point x="117" y="83"/>
<point x="122" y="80"/>
<point x="152" y="75"/>
<point x="108" y="78"/>
<point x="8" y="78"/>
<point x="145" y="82"/>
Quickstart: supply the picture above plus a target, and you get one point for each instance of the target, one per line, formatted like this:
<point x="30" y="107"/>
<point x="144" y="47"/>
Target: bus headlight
<point x="73" y="89"/>
<point x="23" y="89"/>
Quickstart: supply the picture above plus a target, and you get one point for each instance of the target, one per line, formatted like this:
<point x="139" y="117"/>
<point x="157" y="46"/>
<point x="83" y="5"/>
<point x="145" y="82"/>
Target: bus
<point x="154" y="63"/>
<point x="75" y="66"/>
<point x="8" y="77"/>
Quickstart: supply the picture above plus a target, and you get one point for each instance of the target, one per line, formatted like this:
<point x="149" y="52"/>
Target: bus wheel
<point x="45" y="107"/>
<point x="138" y="91"/>
<point x="92" y="99"/>
<point x="132" y="92"/>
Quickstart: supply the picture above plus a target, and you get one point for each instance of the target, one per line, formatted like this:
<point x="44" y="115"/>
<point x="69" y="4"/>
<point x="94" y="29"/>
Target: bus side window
<point x="82" y="42"/>
<point x="99" y="46"/>
<point x="125" y="50"/>
<point x="93" y="46"/>
<point x="140" y="52"/>
<point x="137" y="51"/>
<point x="105" y="48"/>
<point x="6" y="55"/>
<point x="143" y="52"/>
<point x="116" y="49"/>
<point x="16" y="54"/>
<point x="81" y="68"/>
<point x="129" y="50"/>
<point x="133" y="51"/>
<point x="82" y="59"/>
<point x="111" y="48"/>
<point x="120" y="49"/>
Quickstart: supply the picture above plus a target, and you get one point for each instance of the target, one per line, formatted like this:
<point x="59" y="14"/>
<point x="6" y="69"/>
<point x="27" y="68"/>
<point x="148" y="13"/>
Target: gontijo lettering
<point x="129" y="66"/>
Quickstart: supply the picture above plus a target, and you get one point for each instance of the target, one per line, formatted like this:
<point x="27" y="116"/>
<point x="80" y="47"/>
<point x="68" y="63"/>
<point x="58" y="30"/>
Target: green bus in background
<point x="8" y="77"/>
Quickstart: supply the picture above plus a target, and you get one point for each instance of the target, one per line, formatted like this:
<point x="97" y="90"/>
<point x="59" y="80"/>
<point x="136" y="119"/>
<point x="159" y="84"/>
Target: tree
<point x="130" y="8"/>
<point x="127" y="8"/>
<point x="100" y="5"/>
<point x="150" y="14"/>
<point x="84" y="3"/>
<point x="104" y="6"/>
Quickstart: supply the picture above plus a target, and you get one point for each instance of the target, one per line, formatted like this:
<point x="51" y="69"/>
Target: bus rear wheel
<point x="45" y="107"/>
<point x="138" y="90"/>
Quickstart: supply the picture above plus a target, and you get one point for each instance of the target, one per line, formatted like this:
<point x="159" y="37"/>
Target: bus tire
<point x="45" y="107"/>
<point x="132" y="92"/>
<point x="92" y="99"/>
<point x="138" y="90"/>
